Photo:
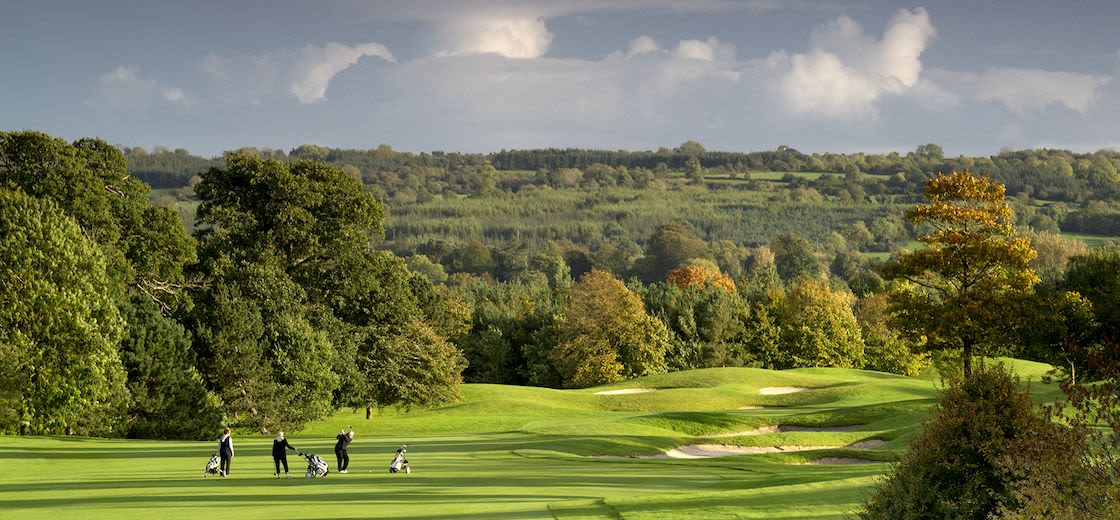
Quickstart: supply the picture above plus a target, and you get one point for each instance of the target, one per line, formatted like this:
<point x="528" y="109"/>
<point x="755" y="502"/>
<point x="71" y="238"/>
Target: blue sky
<point x="479" y="76"/>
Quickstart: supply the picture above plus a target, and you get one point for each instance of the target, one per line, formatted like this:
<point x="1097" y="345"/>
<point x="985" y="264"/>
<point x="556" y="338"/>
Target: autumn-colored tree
<point x="972" y="266"/>
<point x="605" y="334"/>
<point x="699" y="276"/>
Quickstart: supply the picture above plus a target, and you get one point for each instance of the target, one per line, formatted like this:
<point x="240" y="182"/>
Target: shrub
<point x="963" y="464"/>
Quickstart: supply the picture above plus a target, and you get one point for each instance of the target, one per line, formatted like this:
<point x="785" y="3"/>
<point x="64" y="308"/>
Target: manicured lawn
<point x="516" y="453"/>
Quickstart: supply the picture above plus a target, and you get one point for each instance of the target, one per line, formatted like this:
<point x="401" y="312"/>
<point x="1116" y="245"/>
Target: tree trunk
<point x="967" y="360"/>
<point x="369" y="410"/>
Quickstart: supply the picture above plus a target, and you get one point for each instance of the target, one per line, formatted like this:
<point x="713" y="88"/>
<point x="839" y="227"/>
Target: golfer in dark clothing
<point x="279" y="455"/>
<point x="225" y="451"/>
<point x="340" y="448"/>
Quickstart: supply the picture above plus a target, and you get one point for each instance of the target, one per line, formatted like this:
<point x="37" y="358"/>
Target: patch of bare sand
<point x="706" y="451"/>
<point x="752" y="407"/>
<point x="843" y="460"/>
<point x="779" y="390"/>
<point x="783" y="429"/>
<point x="703" y="451"/>
<point x="757" y="431"/>
<point x="626" y="391"/>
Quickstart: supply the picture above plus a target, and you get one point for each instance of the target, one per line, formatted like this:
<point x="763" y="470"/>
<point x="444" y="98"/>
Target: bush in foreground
<point x="969" y="460"/>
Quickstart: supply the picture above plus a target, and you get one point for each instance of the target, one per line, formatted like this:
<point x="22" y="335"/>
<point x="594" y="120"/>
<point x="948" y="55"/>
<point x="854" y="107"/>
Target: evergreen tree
<point x="167" y="399"/>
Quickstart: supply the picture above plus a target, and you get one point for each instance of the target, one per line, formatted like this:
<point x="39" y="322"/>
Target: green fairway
<point x="518" y="452"/>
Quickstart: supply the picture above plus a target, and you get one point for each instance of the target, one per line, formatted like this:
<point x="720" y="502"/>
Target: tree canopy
<point x="605" y="334"/>
<point x="973" y="265"/>
<point x="58" y="315"/>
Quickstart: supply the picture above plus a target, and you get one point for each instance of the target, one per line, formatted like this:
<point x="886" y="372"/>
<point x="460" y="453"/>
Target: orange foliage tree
<point x="699" y="276"/>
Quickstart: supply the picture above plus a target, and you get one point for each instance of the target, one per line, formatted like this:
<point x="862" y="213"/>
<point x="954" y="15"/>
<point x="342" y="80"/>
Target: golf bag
<point x="316" y="466"/>
<point x="212" y="466"/>
<point x="400" y="464"/>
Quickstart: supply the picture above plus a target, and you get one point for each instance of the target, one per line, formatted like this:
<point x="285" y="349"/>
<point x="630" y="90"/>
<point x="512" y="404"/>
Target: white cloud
<point x="124" y="86"/>
<point x="898" y="59"/>
<point x="509" y="37"/>
<point x="1025" y="91"/>
<point x="820" y="83"/>
<point x="642" y="45"/>
<point x="174" y="94"/>
<point x="697" y="50"/>
<point x="304" y="74"/>
<point x="314" y="67"/>
<point x="846" y="71"/>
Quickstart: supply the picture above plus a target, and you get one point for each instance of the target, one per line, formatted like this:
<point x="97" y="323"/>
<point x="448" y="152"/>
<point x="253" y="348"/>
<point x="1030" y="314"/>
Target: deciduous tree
<point x="605" y="334"/>
<point x="817" y="327"/>
<point x="971" y="266"/>
<point x="58" y="317"/>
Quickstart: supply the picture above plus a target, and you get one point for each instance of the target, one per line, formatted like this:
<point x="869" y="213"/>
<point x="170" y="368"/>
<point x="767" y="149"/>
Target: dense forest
<point x="278" y="286"/>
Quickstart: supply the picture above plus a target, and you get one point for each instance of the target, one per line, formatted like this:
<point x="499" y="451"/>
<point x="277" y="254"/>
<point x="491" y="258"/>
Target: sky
<point x="480" y="76"/>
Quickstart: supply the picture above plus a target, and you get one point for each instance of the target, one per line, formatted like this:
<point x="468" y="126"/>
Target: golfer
<point x="225" y="451"/>
<point x="279" y="444"/>
<point x="340" y="448"/>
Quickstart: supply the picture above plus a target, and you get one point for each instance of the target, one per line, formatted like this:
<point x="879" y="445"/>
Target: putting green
<point x="516" y="453"/>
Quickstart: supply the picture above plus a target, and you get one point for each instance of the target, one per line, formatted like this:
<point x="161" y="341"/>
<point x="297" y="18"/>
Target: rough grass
<point x="513" y="452"/>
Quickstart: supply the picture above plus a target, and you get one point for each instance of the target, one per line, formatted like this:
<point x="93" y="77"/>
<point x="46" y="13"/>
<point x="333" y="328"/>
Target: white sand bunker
<point x="626" y="391"/>
<point x="703" y="451"/>
<point x="844" y="460"/>
<point x="783" y="429"/>
<point x="779" y="390"/>
<point x="707" y="451"/>
<point x="757" y="431"/>
<point x="753" y="407"/>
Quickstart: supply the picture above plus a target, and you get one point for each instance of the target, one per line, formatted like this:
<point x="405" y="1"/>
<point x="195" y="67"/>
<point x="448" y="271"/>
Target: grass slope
<point x="514" y="453"/>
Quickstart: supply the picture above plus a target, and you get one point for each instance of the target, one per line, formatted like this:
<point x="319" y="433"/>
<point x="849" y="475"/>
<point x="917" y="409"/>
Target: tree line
<point x="284" y="303"/>
<point x="277" y="310"/>
<point x="1046" y="174"/>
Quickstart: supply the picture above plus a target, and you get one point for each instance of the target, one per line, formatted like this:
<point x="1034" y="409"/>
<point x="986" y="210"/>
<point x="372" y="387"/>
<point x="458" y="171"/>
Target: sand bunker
<point x="706" y="451"/>
<point x="869" y="444"/>
<point x="844" y="460"/>
<point x="757" y="431"/>
<point x="752" y="407"/>
<point x="626" y="391"/>
<point x="779" y="390"/>
<point x="784" y="429"/>
<point x="703" y="451"/>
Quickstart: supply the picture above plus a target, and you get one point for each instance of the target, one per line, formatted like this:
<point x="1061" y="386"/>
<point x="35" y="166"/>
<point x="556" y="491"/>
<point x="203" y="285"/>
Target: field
<point x="519" y="453"/>
<point x="1093" y="241"/>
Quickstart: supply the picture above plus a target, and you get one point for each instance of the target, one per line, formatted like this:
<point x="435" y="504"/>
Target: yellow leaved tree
<point x="963" y="284"/>
<point x="605" y="334"/>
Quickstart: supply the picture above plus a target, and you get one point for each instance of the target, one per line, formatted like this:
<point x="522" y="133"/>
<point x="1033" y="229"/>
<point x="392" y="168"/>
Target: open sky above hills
<point x="830" y="75"/>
